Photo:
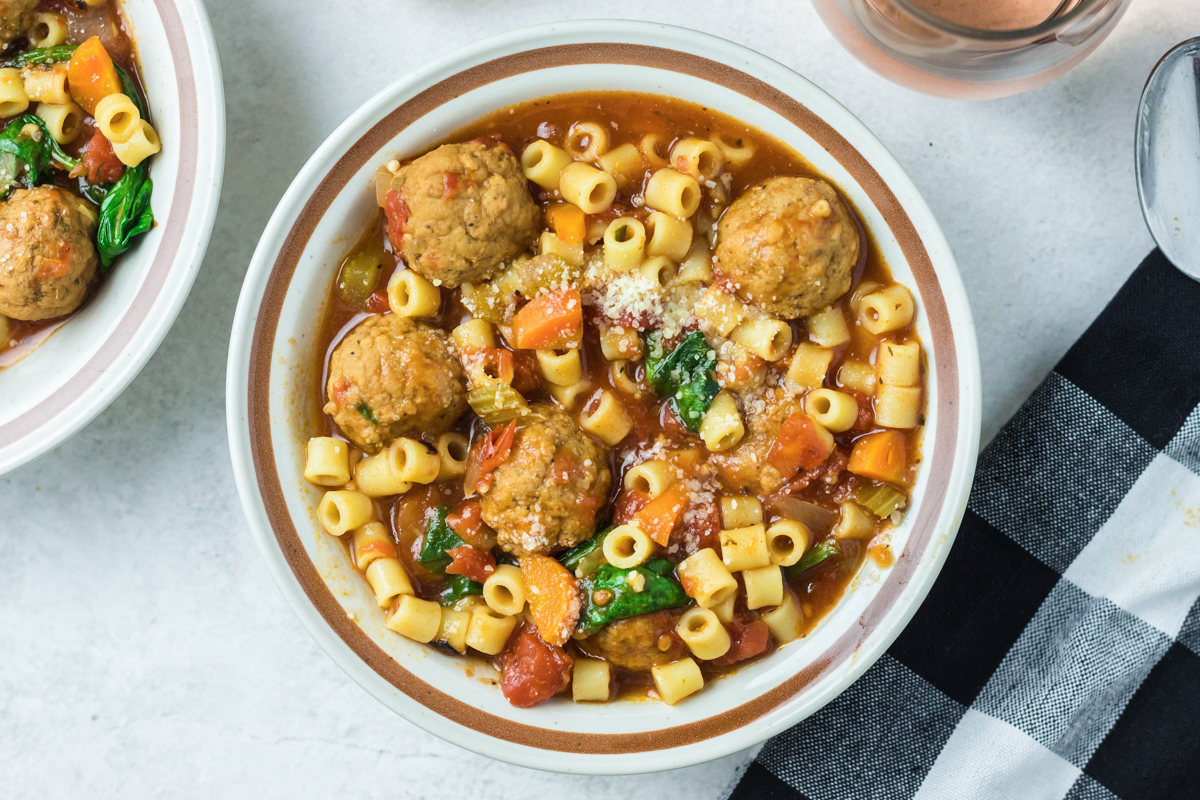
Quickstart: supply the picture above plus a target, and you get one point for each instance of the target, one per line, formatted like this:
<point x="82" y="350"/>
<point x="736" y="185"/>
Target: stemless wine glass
<point x="942" y="54"/>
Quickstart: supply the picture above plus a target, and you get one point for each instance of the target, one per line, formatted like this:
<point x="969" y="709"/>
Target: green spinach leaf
<point x="618" y="598"/>
<point x="684" y="375"/>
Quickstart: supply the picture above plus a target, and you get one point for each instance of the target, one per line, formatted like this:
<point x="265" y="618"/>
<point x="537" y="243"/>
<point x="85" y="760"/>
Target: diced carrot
<point x="549" y="322"/>
<point x="801" y="444"/>
<point x="554" y="600"/>
<point x="660" y="516"/>
<point x="91" y="75"/>
<point x="881" y="456"/>
<point x="380" y="549"/>
<point x="568" y="221"/>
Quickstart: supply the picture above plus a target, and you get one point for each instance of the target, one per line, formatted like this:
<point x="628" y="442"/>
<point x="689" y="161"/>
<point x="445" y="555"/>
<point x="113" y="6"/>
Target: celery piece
<point x="879" y="498"/>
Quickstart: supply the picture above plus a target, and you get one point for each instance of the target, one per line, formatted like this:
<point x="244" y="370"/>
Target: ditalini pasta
<point x="571" y="428"/>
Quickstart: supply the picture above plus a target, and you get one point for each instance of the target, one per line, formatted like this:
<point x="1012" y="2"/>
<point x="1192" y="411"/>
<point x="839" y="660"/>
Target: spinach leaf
<point x="125" y="212"/>
<point x="458" y="587"/>
<point x="684" y="375"/>
<point x="582" y="559"/>
<point x="42" y="55"/>
<point x="619" y="600"/>
<point x="367" y="413"/>
<point x="27" y="154"/>
<point x="819" y="553"/>
<point x="440" y="537"/>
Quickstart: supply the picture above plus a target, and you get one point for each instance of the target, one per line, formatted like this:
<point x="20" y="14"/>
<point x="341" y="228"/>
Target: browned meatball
<point x="788" y="246"/>
<point x="545" y="495"/>
<point x="16" y="17"/>
<point x="47" y="259"/>
<point x="392" y="376"/>
<point x="746" y="465"/>
<point x="637" y="643"/>
<point x="469" y="209"/>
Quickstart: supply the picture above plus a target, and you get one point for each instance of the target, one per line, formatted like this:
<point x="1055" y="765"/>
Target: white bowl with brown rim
<point x="56" y="383"/>
<point x="271" y="380"/>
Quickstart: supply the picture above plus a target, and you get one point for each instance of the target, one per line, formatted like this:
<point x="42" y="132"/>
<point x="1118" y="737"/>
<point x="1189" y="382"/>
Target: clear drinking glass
<point x="970" y="49"/>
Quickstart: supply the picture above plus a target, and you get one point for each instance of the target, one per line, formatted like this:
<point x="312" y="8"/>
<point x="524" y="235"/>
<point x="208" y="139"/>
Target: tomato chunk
<point x="747" y="641"/>
<point x="397" y="213"/>
<point x="471" y="562"/>
<point x="549" y="322"/>
<point x="628" y="503"/>
<point x="801" y="444"/>
<point x="532" y="671"/>
<point x="99" y="162"/>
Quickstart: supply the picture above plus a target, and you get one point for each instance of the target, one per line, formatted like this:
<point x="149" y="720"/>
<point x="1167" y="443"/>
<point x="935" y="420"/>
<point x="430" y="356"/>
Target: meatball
<point x="16" y="17"/>
<point x="788" y="246"/>
<point x="746" y="464"/>
<point x="47" y="259"/>
<point x="637" y="643"/>
<point x="392" y="376"/>
<point x="462" y="210"/>
<point x="545" y="495"/>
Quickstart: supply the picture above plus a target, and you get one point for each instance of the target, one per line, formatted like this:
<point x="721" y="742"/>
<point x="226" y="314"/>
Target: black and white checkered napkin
<point x="1058" y="654"/>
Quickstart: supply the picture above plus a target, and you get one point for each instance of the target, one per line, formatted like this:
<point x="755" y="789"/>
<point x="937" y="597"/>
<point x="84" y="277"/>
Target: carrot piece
<point x="801" y="444"/>
<point x="568" y="221"/>
<point x="660" y="516"/>
<point x="881" y="456"/>
<point x="91" y="75"/>
<point x="554" y="600"/>
<point x="549" y="322"/>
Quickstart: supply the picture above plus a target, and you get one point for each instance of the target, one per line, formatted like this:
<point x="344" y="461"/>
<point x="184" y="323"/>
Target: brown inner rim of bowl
<point x="156" y="276"/>
<point x="268" y="320"/>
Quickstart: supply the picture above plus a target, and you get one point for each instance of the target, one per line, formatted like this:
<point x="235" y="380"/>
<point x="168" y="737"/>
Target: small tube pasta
<point x="764" y="586"/>
<point x="622" y="380"/>
<point x="591" y="189"/>
<point x="561" y="368"/>
<point x="607" y="421"/>
<point x="410" y="295"/>
<point x="13" y="100"/>
<point x="740" y="512"/>
<point x="141" y="145"/>
<point x="543" y="163"/>
<point x="566" y="396"/>
<point x="673" y="192"/>
<point x="340" y="512"/>
<point x="326" y="461"/>
<point x="703" y="634"/>
<point x="705" y="578"/>
<point x="504" y="591"/>
<point x="668" y="236"/>
<point x="380" y="475"/>
<point x="416" y="619"/>
<point x="488" y="631"/>
<point x="857" y="376"/>
<point x="453" y="452"/>
<point x="388" y="580"/>
<point x="744" y="548"/>
<point x="699" y="158"/>
<point x="624" y="163"/>
<point x="898" y="406"/>
<point x="722" y="427"/>
<point x="809" y="365"/>
<point x="650" y="151"/>
<point x="785" y="621"/>
<point x="659" y="269"/>
<point x="49" y="30"/>
<point x="627" y="546"/>
<point x="737" y="153"/>
<point x="652" y="477"/>
<point x="47" y="83"/>
<point x="117" y="117"/>
<point x="854" y="523"/>
<point x="720" y="311"/>
<point x="787" y="540"/>
<point x="624" y="244"/>
<point x="64" y="121"/>
<point x="453" y="629"/>
<point x="550" y="244"/>
<point x="898" y="364"/>
<point x="473" y="335"/>
<point x="887" y="310"/>
<point x="415" y="461"/>
<point x="696" y="266"/>
<point x="370" y="543"/>
<point x="724" y="610"/>
<point x="828" y="328"/>
<point x="836" y="411"/>
<point x="617" y="343"/>
<point x="677" y="680"/>
<point x="587" y="141"/>
<point x="590" y="680"/>
<point x="767" y="338"/>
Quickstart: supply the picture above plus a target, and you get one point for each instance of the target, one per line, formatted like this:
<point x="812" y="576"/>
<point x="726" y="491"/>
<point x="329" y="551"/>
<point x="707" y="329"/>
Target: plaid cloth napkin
<point x="1058" y="654"/>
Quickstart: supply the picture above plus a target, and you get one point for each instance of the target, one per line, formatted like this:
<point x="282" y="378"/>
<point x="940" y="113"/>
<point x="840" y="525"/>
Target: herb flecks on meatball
<point x="47" y="259"/>
<point x="788" y="245"/>
<point x="546" y="494"/>
<point x="459" y="211"/>
<point x="391" y="376"/>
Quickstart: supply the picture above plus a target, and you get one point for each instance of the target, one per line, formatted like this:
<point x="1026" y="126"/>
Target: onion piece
<point x="817" y="519"/>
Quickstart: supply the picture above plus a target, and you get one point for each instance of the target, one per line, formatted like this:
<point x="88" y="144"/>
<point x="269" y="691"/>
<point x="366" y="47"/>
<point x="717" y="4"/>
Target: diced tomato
<point x="449" y="185"/>
<point x="747" y="641"/>
<point x="52" y="268"/>
<point x="397" y="213"/>
<point x="866" y="413"/>
<point x="471" y="562"/>
<point x="377" y="303"/>
<point x="493" y="451"/>
<point x="532" y="671"/>
<point x="628" y="503"/>
<point x="99" y="162"/>
<point x="706" y="527"/>
<point x="801" y="444"/>
<point x="549" y="322"/>
<point x="467" y="521"/>
<point x="526" y="373"/>
<point x="341" y="388"/>
<point x="672" y="424"/>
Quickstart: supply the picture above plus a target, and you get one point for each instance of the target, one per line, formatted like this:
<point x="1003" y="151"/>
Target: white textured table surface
<point x="144" y="651"/>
